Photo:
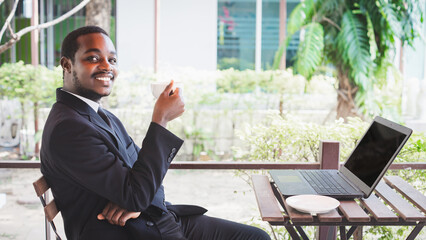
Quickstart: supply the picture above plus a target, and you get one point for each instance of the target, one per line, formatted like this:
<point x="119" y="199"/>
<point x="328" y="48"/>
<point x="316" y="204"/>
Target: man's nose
<point x="105" y="65"/>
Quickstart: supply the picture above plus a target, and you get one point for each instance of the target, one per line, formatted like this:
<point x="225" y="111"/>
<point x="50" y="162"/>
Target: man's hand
<point x="168" y="106"/>
<point x="116" y="215"/>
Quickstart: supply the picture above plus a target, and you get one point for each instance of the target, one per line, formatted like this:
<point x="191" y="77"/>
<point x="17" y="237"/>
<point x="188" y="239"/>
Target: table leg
<point x="342" y="231"/>
<point x="350" y="232"/>
<point x="326" y="233"/>
<point x="358" y="233"/>
<point x="292" y="232"/>
<point x="302" y="233"/>
<point x="416" y="231"/>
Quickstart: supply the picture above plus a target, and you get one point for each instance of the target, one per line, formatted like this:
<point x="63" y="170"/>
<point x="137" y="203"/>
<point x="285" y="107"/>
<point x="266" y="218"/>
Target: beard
<point x="84" y="92"/>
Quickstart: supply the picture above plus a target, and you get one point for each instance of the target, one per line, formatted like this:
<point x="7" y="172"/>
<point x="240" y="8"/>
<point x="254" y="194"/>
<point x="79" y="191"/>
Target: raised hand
<point x="169" y="106"/>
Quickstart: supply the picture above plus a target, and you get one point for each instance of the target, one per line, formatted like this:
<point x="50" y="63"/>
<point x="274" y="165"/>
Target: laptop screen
<point x="374" y="152"/>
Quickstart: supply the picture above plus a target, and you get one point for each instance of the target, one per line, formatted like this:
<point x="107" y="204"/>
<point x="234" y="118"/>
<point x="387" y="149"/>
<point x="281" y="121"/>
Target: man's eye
<point x="113" y="61"/>
<point x="92" y="59"/>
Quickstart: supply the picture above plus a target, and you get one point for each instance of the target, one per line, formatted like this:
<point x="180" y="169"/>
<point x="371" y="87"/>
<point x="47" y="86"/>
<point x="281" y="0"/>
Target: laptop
<point x="361" y="172"/>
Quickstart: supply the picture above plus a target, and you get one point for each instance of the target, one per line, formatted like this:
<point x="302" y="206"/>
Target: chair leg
<point x="47" y="228"/>
<point x="55" y="231"/>
<point x="46" y="223"/>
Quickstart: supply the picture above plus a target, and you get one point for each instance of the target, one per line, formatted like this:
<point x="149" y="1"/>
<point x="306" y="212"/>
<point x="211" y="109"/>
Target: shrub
<point x="29" y="84"/>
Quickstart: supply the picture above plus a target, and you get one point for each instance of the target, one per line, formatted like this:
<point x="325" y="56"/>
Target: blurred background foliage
<point x="358" y="38"/>
<point x="234" y="94"/>
<point x="34" y="87"/>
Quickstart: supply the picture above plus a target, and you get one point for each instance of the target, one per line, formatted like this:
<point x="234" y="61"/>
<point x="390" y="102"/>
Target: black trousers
<point x="202" y="227"/>
<point x="210" y="228"/>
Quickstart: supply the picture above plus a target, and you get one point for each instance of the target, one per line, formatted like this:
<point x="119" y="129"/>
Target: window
<point x="236" y="36"/>
<point x="50" y="38"/>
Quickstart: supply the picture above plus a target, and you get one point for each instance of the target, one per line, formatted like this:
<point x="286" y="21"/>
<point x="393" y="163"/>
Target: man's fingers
<point x="111" y="212"/>
<point x="117" y="215"/>
<point x="176" y="91"/>
<point x="106" y="209"/>
<point x="126" y="216"/>
<point x="169" y="87"/>
<point x="122" y="221"/>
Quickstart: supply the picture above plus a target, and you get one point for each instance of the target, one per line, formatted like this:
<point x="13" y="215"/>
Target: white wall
<point x="187" y="34"/>
<point x="135" y="33"/>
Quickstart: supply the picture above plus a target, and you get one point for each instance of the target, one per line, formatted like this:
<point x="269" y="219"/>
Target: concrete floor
<point x="221" y="192"/>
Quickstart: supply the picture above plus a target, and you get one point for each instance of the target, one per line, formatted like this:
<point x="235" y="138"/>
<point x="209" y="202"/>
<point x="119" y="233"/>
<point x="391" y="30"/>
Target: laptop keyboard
<point x="320" y="181"/>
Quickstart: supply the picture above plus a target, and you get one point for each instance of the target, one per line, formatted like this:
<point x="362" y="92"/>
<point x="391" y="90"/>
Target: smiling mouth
<point x="104" y="78"/>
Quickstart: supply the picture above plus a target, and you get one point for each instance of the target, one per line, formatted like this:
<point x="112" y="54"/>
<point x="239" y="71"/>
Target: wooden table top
<point x="394" y="202"/>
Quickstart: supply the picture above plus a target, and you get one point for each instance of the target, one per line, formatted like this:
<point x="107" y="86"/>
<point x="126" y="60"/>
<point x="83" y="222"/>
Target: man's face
<point x="94" y="69"/>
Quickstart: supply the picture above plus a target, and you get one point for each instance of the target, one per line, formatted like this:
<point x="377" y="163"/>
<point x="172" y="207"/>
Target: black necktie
<point x="103" y="116"/>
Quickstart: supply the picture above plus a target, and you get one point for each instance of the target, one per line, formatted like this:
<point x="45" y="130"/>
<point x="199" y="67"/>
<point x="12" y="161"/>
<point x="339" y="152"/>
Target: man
<point x="105" y="186"/>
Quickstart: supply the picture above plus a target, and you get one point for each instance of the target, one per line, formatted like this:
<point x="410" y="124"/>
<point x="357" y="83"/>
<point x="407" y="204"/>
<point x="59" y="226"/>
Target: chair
<point x="50" y="211"/>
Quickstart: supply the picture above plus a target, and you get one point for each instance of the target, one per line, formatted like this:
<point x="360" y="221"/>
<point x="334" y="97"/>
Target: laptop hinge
<point x="350" y="183"/>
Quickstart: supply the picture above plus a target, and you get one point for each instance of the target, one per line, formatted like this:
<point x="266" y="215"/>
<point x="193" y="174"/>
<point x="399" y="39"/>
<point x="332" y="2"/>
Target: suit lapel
<point x="123" y="150"/>
<point x="82" y="108"/>
<point x="98" y="121"/>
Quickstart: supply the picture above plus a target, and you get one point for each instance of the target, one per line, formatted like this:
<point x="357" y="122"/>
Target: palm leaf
<point x="297" y="19"/>
<point x="382" y="33"/>
<point x="391" y="17"/>
<point x="353" y="44"/>
<point x="310" y="51"/>
<point x="302" y="12"/>
<point x="384" y="37"/>
<point x="402" y="18"/>
<point x="330" y="8"/>
<point x="371" y="37"/>
<point x="411" y="17"/>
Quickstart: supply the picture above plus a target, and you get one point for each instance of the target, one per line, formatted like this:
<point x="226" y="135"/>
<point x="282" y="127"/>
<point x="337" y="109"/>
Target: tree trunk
<point x="37" y="145"/>
<point x="281" y="105"/>
<point x="283" y="27"/>
<point x="23" y="146"/>
<point x="345" y="97"/>
<point x="98" y="13"/>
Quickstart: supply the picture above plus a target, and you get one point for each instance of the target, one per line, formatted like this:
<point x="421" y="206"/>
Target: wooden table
<point x="353" y="214"/>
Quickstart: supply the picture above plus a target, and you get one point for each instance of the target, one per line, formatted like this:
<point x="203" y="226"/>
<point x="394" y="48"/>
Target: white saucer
<point x="313" y="204"/>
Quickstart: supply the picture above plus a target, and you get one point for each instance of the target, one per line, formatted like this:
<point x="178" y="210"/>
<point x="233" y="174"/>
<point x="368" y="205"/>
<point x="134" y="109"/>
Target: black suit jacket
<point x="87" y="164"/>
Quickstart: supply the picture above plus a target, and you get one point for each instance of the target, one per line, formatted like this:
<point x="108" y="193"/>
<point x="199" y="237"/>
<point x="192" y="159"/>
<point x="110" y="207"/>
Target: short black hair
<point x="70" y="45"/>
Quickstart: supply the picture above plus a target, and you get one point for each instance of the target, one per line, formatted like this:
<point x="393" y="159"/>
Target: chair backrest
<point x="50" y="211"/>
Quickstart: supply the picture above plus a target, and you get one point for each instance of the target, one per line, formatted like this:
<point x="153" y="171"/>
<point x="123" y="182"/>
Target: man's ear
<point x="66" y="64"/>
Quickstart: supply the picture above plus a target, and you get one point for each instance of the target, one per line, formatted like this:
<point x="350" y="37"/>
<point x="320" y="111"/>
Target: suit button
<point x="173" y="150"/>
<point x="169" y="159"/>
<point x="149" y="223"/>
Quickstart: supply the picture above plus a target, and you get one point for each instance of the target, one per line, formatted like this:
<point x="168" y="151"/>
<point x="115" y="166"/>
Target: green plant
<point x="357" y="37"/>
<point x="29" y="84"/>
<point x="249" y="81"/>
<point x="227" y="63"/>
<point x="198" y="137"/>
<point x="235" y="81"/>
<point x="289" y="139"/>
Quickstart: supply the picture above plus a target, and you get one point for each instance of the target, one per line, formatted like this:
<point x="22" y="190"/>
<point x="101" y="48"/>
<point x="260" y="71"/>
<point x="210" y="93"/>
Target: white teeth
<point x="103" y="78"/>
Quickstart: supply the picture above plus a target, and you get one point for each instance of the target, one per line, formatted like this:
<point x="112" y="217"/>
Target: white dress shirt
<point x="94" y="105"/>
